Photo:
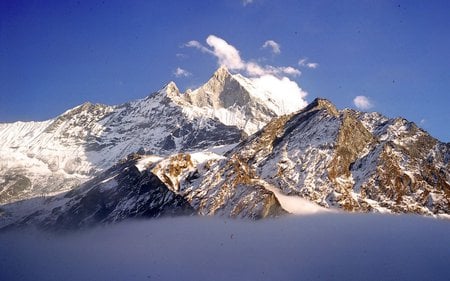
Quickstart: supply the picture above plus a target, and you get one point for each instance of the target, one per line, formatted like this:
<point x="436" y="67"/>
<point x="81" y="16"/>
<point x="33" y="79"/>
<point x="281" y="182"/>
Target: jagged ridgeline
<point x="227" y="148"/>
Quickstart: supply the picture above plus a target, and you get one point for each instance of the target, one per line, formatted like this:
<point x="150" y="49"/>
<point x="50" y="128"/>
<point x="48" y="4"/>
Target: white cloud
<point x="194" y="43"/>
<point x="197" y="45"/>
<point x="181" y="56"/>
<point x="268" y="77"/>
<point x="362" y="102"/>
<point x="272" y="45"/>
<point x="179" y="72"/>
<point x="226" y="53"/>
<point x="290" y="71"/>
<point x="289" y="96"/>
<point x="254" y="69"/>
<point x="312" y="65"/>
<point x="229" y="56"/>
<point x="246" y="2"/>
<point x="304" y="62"/>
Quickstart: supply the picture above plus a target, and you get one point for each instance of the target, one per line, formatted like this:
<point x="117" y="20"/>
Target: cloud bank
<point x="318" y="247"/>
<point x="362" y="102"/>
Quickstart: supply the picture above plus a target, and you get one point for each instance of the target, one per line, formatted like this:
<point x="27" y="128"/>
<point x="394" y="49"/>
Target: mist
<point x="316" y="247"/>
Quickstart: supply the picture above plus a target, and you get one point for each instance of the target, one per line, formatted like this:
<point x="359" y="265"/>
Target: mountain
<point x="227" y="148"/>
<point x="44" y="158"/>
<point x="344" y="159"/>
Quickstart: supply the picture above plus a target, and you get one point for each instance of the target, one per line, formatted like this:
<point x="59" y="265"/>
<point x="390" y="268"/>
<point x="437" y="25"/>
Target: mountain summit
<point x="227" y="148"/>
<point x="39" y="158"/>
<point x="235" y="101"/>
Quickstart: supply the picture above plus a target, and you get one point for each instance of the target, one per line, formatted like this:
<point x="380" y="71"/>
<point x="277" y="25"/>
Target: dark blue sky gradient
<point x="57" y="54"/>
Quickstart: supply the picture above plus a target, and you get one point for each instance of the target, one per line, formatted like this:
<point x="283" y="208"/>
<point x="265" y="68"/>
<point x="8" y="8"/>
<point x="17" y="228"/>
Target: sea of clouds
<point x="315" y="247"/>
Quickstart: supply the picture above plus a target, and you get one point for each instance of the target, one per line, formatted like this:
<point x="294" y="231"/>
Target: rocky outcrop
<point x="409" y="173"/>
<point x="339" y="159"/>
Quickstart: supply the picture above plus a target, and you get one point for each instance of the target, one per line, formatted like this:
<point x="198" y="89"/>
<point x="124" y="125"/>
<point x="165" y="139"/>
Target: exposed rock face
<point x="228" y="189"/>
<point x="352" y="141"/>
<point x="221" y="91"/>
<point x="409" y="170"/>
<point x="340" y="159"/>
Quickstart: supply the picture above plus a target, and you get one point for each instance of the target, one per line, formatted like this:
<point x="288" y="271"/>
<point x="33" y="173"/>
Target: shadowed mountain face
<point x="119" y="193"/>
<point x="208" y="152"/>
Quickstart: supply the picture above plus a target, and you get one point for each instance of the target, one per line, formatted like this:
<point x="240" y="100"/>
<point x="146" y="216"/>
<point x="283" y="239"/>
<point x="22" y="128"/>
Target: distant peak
<point x="216" y="83"/>
<point x="86" y="106"/>
<point x="171" y="86"/>
<point x="222" y="69"/>
<point x="221" y="72"/>
<point x="171" y="89"/>
<point x="220" y="86"/>
<point x="322" y="103"/>
<point x="222" y="90"/>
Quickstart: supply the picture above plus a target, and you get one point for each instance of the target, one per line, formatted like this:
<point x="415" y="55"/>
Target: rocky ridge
<point x="341" y="160"/>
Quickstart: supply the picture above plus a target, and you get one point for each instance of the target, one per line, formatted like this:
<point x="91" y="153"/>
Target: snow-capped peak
<point x="221" y="91"/>
<point x="238" y="101"/>
<point x="60" y="153"/>
<point x="171" y="89"/>
<point x="321" y="103"/>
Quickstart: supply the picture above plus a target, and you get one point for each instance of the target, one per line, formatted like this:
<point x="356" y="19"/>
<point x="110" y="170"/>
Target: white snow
<point x="202" y="157"/>
<point x="90" y="138"/>
<point x="280" y="95"/>
<point x="277" y="97"/>
<point x="374" y="204"/>
<point x="293" y="204"/>
<point x="221" y="149"/>
<point x="146" y="161"/>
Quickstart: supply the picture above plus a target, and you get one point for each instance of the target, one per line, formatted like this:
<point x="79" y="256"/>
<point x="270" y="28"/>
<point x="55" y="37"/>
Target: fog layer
<point x="319" y="247"/>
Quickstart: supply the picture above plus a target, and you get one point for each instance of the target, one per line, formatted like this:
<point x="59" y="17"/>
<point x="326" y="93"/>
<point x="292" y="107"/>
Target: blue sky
<point x="55" y="55"/>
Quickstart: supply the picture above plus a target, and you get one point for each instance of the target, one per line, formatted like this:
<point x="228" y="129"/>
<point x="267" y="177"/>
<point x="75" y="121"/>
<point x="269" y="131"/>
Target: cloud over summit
<point x="230" y="57"/>
<point x="272" y="78"/>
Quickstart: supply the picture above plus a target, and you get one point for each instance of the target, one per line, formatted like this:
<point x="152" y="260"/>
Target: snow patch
<point x="293" y="204"/>
<point x="147" y="161"/>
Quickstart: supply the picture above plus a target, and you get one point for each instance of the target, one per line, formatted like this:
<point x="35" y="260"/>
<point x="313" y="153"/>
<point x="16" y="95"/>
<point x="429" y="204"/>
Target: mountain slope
<point x="342" y="159"/>
<point x="41" y="158"/>
<point x="198" y="153"/>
